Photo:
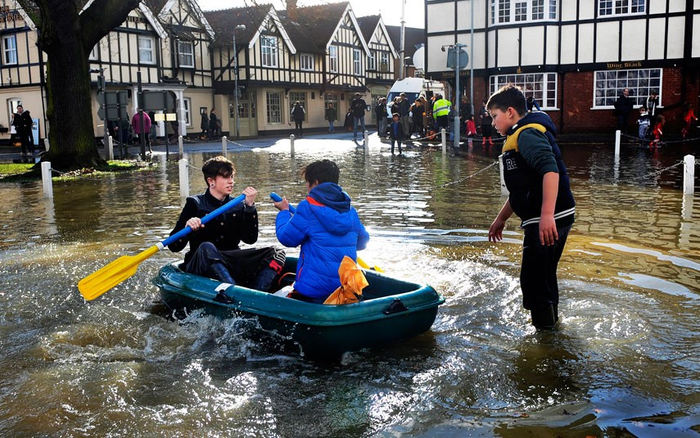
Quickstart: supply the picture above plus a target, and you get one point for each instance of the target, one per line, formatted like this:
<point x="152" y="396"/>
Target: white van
<point x="413" y="87"/>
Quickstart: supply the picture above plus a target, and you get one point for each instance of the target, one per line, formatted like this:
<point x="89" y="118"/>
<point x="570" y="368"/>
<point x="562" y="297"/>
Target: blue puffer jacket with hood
<point x="327" y="228"/>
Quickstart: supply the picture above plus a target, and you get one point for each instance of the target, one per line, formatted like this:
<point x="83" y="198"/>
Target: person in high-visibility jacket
<point x="441" y="112"/>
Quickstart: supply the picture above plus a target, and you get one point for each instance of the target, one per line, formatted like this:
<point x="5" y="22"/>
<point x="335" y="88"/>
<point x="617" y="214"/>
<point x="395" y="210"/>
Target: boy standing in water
<point x="214" y="250"/>
<point x="536" y="178"/>
<point x="327" y="228"/>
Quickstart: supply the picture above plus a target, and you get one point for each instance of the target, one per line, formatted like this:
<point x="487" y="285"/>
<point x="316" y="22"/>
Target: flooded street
<point x="624" y="362"/>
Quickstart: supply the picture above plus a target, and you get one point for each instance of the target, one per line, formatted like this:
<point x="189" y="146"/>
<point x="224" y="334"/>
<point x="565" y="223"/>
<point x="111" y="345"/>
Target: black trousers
<point x="538" y="273"/>
<point x="251" y="267"/>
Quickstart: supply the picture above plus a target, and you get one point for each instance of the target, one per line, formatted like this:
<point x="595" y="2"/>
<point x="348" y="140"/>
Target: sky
<point x="390" y="10"/>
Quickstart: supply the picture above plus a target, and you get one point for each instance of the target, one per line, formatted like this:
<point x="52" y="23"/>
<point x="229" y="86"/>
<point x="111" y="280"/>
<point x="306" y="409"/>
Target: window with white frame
<point x="610" y="84"/>
<point x="9" y="49"/>
<point x="268" y="47"/>
<point x="306" y="62"/>
<point x="356" y="62"/>
<point x="333" y="59"/>
<point x="146" y="50"/>
<point x="186" y="105"/>
<point x="508" y="11"/>
<point x="372" y="61"/>
<point x="540" y="86"/>
<point x="185" y="54"/>
<point x="274" y="107"/>
<point x="621" y="7"/>
<point x="384" y="63"/>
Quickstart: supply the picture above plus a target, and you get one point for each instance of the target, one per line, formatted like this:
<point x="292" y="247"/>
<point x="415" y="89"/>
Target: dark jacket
<point x="529" y="153"/>
<point x="205" y="122"/>
<point x="225" y="232"/>
<point x="358" y="107"/>
<point x="331" y="114"/>
<point x="298" y="113"/>
<point x="327" y="228"/>
<point x="22" y="122"/>
<point x="396" y="130"/>
<point x="213" y="122"/>
<point x="623" y="105"/>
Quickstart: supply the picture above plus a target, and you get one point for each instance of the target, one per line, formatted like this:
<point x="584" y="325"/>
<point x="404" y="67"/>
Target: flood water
<point x="624" y="362"/>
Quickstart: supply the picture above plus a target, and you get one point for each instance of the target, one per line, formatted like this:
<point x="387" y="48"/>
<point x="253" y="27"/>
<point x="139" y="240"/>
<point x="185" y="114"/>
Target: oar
<point x="124" y="267"/>
<point x="277" y="198"/>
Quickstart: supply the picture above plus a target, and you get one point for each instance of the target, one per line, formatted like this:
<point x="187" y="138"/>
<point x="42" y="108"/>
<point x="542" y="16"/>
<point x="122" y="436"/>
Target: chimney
<point x="292" y="10"/>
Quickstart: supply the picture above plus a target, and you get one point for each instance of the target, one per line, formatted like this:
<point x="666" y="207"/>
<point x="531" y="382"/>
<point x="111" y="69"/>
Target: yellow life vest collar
<point x="512" y="140"/>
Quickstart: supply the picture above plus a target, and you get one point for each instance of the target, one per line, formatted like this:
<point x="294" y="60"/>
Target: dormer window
<point x="268" y="47"/>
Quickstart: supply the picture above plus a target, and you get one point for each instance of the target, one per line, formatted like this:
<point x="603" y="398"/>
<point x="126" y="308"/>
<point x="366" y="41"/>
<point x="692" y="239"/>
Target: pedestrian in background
<point x="381" y="114"/>
<point x="688" y="118"/>
<point x="652" y="105"/>
<point x="298" y="114"/>
<point x="214" y="124"/>
<point x="358" y="108"/>
<point x="142" y="133"/>
<point x="204" y="126"/>
<point x="486" y="129"/>
<point x="331" y="116"/>
<point x="22" y="121"/>
<point x="623" y="107"/>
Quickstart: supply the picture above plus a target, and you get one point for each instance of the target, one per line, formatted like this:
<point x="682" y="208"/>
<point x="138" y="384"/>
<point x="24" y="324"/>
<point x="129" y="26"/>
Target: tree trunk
<point x="67" y="37"/>
<point x="69" y="111"/>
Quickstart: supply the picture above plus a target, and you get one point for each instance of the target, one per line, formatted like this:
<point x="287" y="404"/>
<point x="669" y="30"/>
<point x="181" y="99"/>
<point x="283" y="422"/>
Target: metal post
<point x="224" y="142"/>
<point x="140" y="106"/>
<point x="617" y="143"/>
<point x="689" y="174"/>
<point x="184" y="178"/>
<point x="366" y="138"/>
<point x="443" y="133"/>
<point x="46" y="179"/>
<point x="291" y="143"/>
<point x="456" y="128"/>
<point x="235" y="79"/>
<point x="110" y="148"/>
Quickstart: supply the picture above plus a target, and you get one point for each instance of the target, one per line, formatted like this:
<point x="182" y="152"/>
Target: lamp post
<point x="456" y="56"/>
<point x="235" y="78"/>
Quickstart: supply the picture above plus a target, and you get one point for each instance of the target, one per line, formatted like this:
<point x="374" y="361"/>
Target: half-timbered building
<point x="574" y="57"/>
<point x="381" y="65"/>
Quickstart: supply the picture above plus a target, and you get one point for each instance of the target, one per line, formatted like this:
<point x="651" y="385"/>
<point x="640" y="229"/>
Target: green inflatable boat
<point x="391" y="310"/>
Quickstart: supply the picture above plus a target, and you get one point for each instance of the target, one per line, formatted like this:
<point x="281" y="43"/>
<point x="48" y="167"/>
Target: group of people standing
<point x="210" y="125"/>
<point x="650" y="122"/>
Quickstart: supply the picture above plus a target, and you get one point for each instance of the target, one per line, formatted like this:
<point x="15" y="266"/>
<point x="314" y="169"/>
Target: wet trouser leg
<point x="538" y="275"/>
<point x="207" y="262"/>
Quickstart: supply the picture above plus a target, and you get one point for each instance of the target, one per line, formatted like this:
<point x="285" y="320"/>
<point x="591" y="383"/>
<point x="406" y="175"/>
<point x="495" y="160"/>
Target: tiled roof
<point x="414" y="38"/>
<point x="367" y="25"/>
<point x="313" y="26"/>
<point x="225" y="21"/>
<point x="155" y="5"/>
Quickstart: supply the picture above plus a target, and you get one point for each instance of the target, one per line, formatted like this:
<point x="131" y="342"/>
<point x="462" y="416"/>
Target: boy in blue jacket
<point x="326" y="226"/>
<point x="537" y="180"/>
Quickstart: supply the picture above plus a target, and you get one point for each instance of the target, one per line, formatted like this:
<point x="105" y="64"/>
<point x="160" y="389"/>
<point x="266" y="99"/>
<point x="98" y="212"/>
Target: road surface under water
<point x="624" y="361"/>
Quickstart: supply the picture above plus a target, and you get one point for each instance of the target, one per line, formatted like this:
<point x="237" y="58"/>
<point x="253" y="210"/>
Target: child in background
<point x="396" y="132"/>
<point x="689" y="117"/>
<point x="660" y="122"/>
<point x="643" y="123"/>
<point x="470" y="128"/>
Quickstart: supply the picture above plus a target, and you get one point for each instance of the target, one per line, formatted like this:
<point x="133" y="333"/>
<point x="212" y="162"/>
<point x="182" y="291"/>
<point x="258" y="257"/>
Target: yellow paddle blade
<point x="111" y="275"/>
<point x="364" y="265"/>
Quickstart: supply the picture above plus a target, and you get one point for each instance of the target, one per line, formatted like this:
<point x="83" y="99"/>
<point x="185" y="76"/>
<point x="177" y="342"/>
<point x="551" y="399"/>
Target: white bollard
<point x="618" y="134"/>
<point x="689" y="174"/>
<point x="366" y="137"/>
<point x="110" y="148"/>
<point x="224" y="142"/>
<point x="46" y="144"/>
<point x="443" y="133"/>
<point x="184" y="178"/>
<point x="180" y="146"/>
<point x="504" y="189"/>
<point x="46" y="179"/>
<point x="291" y="143"/>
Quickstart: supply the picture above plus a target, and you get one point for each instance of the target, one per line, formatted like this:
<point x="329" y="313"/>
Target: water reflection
<point x="625" y="358"/>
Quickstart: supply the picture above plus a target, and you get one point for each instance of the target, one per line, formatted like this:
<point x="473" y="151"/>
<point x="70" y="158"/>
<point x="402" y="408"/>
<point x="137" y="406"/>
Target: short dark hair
<point x="321" y="171"/>
<point x="217" y="166"/>
<point x="508" y="96"/>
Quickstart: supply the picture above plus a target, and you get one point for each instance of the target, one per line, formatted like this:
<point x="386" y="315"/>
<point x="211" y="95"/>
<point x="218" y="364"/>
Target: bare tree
<point x="67" y="36"/>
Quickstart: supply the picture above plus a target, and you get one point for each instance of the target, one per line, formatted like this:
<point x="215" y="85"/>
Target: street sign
<point x="113" y="103"/>
<point x="157" y="100"/>
<point x="456" y="57"/>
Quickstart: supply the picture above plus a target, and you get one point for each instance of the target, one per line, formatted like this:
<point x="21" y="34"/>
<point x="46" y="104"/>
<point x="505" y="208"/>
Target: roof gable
<point x="257" y="20"/>
<point x="170" y="7"/>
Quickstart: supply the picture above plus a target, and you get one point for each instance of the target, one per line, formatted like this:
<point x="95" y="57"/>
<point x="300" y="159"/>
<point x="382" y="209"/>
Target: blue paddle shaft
<point x="277" y="198"/>
<point x="218" y="212"/>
